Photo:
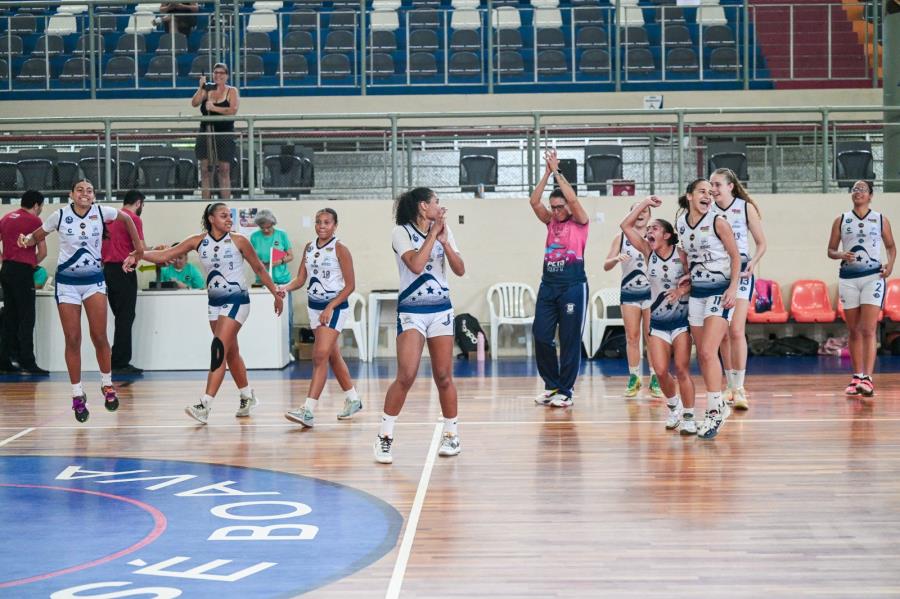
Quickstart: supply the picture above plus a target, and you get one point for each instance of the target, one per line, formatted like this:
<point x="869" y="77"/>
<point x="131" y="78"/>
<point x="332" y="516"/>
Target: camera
<point x="209" y="85"/>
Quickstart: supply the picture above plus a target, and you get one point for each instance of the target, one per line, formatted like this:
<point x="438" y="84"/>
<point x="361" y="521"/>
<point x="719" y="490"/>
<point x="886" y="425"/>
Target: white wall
<point x="300" y="105"/>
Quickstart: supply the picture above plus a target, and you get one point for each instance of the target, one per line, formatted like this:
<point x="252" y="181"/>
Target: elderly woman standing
<point x="273" y="247"/>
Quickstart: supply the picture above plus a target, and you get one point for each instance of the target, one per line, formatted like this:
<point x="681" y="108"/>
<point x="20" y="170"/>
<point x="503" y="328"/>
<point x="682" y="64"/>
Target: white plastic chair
<point x="140" y="23"/>
<point x="384" y="20"/>
<point x="550" y="18"/>
<point x="62" y="24"/>
<point x="263" y="21"/>
<point x="465" y="18"/>
<point x="600" y="303"/>
<point x="71" y="9"/>
<point x="711" y="13"/>
<point x="273" y="5"/>
<point x="511" y="308"/>
<point x="507" y="17"/>
<point x="358" y="323"/>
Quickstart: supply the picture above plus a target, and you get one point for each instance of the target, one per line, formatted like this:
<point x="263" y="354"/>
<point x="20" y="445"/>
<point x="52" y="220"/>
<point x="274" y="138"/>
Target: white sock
<point x="311" y="404"/>
<point x="387" y="425"/>
<point x="246" y="392"/>
<point x="635" y="370"/>
<point x="739" y="379"/>
<point x="207" y="401"/>
<point x="351" y="394"/>
<point x="673" y="403"/>
<point x="729" y="378"/>
<point x="450" y="425"/>
<point x="713" y="400"/>
<point x="77" y="390"/>
<point x="105" y="379"/>
<point x="688" y="413"/>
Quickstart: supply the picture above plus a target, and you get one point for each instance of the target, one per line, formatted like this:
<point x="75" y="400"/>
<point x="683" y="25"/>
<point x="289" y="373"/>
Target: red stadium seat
<point x="810" y="302"/>
<point x="776" y="315"/>
<point x="892" y="300"/>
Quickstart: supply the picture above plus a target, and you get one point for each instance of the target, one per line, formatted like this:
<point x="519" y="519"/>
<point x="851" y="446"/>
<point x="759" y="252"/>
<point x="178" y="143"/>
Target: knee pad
<point x="217" y="354"/>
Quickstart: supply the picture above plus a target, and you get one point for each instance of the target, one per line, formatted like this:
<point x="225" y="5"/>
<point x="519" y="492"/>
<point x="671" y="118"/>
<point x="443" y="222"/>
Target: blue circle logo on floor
<point x="104" y="527"/>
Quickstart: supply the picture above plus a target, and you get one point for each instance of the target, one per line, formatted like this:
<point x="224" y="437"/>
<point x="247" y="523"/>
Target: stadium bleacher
<point x="407" y="44"/>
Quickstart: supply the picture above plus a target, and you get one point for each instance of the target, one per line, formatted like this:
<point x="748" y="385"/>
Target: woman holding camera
<point x="215" y="148"/>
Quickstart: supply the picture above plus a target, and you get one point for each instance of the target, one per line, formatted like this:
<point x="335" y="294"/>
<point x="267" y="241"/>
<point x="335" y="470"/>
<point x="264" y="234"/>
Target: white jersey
<point x="427" y="292"/>
<point x="708" y="261"/>
<point x="323" y="271"/>
<point x="736" y="215"/>
<point x="80" y="243"/>
<point x="862" y="236"/>
<point x="663" y="274"/>
<point x="226" y="282"/>
<point x="634" y="285"/>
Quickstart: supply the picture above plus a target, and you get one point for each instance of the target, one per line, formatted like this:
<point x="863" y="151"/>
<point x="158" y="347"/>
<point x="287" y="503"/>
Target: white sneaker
<point x="198" y="412"/>
<point x="302" y="415"/>
<point x="724" y="410"/>
<point x="449" y="445"/>
<point x="544" y="398"/>
<point x="713" y="422"/>
<point x="674" y="418"/>
<point x="728" y="396"/>
<point x="740" y="400"/>
<point x="247" y="405"/>
<point x="383" y="450"/>
<point x="561" y="401"/>
<point x="688" y="426"/>
<point x="351" y="407"/>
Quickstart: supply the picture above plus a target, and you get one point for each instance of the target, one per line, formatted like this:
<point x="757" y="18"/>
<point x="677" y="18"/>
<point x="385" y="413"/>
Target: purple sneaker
<point x="79" y="404"/>
<point x="111" y="399"/>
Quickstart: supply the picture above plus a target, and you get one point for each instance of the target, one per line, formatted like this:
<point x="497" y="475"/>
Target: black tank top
<point x="221" y="126"/>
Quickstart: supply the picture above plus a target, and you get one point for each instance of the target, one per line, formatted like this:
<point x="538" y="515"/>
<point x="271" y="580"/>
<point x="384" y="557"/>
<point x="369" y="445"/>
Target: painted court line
<point x="16" y="436"/>
<point x="409" y="535"/>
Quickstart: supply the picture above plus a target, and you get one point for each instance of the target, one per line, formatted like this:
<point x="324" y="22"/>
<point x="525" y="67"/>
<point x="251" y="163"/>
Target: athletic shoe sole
<point x="293" y="418"/>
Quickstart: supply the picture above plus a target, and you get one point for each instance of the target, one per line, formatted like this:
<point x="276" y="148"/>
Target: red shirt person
<point x="121" y="286"/>
<point x="17" y="281"/>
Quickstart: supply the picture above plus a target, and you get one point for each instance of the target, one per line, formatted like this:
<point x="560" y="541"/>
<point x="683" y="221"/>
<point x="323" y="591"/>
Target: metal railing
<point x="375" y="155"/>
<point x="536" y="48"/>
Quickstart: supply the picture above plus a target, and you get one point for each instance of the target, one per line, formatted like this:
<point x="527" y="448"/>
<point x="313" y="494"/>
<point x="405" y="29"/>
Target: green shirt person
<point x="268" y="241"/>
<point x="40" y="277"/>
<point x="185" y="274"/>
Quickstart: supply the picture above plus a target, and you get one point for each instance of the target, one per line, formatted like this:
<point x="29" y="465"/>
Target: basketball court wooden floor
<point x="798" y="497"/>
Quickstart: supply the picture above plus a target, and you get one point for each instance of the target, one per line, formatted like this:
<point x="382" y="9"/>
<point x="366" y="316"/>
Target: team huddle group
<point x="686" y="283"/>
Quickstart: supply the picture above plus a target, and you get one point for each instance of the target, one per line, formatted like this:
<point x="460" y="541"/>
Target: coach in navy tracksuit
<point x="562" y="297"/>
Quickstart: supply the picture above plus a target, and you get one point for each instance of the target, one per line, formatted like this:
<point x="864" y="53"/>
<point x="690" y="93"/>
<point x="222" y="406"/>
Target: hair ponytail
<point x="406" y="208"/>
<point x="668" y="228"/>
<point x="739" y="191"/>
<point x="207" y="212"/>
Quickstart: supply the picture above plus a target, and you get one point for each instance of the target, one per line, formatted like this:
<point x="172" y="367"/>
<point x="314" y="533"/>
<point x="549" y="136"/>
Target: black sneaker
<point x="127" y="369"/>
<point x="8" y="367"/>
<point x="79" y="405"/>
<point x="35" y="370"/>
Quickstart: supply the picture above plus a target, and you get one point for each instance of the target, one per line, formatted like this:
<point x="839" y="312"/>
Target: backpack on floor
<point x="793" y="346"/>
<point x="465" y="333"/>
<point x="614" y="344"/>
